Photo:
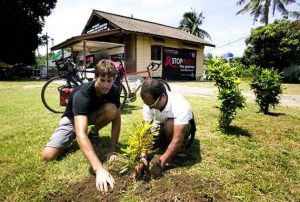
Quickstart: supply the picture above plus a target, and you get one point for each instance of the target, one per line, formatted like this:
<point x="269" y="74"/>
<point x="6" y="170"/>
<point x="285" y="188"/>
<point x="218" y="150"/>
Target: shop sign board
<point x="97" y="28"/>
<point x="179" y="64"/>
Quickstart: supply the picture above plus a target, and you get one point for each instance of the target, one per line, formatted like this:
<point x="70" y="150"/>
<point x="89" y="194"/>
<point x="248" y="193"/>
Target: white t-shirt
<point x="177" y="108"/>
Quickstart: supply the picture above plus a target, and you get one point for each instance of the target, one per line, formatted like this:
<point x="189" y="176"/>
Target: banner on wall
<point x="90" y="61"/>
<point x="179" y="64"/>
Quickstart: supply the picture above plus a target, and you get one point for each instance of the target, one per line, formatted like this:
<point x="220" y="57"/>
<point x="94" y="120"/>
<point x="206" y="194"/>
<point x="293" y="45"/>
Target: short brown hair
<point x="105" y="68"/>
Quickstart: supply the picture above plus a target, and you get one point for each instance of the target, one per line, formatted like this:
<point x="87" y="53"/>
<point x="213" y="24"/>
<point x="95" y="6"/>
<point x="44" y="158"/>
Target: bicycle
<point x="129" y="92"/>
<point x="56" y="90"/>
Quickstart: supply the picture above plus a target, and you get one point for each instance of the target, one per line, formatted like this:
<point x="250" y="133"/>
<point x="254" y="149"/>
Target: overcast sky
<point x="227" y="30"/>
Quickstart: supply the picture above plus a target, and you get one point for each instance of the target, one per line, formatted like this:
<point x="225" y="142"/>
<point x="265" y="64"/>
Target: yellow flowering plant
<point x="140" y="141"/>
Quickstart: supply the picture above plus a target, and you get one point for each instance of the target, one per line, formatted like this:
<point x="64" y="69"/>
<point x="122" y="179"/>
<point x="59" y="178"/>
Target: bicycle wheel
<point x="123" y="95"/>
<point x="51" y="93"/>
<point x="165" y="84"/>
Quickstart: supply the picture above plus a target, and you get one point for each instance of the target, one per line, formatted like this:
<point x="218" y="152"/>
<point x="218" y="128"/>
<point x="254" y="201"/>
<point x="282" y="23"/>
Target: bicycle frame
<point x="73" y="74"/>
<point x="125" y="78"/>
<point x="130" y="90"/>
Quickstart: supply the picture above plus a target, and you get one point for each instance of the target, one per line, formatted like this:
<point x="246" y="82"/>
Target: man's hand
<point x="140" y="168"/>
<point x="110" y="156"/>
<point x="155" y="168"/>
<point x="103" y="178"/>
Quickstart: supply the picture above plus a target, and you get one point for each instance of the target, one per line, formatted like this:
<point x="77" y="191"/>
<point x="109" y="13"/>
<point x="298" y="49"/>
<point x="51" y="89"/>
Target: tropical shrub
<point x="266" y="84"/>
<point x="227" y="81"/>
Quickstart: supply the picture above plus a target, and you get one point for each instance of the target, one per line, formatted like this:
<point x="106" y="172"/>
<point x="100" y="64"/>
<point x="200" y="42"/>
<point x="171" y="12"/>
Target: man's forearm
<point x="175" y="145"/>
<point x="172" y="149"/>
<point x="88" y="151"/>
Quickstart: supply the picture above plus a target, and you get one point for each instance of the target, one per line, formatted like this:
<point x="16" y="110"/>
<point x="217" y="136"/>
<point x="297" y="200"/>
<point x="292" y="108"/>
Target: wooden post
<point x="84" y="54"/>
<point x="72" y="54"/>
<point x="84" y="57"/>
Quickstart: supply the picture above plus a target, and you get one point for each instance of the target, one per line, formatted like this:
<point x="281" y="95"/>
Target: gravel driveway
<point x="286" y="100"/>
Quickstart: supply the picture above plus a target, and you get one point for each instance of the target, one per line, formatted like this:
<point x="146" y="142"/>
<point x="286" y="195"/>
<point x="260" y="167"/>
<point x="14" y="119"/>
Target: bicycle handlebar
<point x="152" y="65"/>
<point x="65" y="64"/>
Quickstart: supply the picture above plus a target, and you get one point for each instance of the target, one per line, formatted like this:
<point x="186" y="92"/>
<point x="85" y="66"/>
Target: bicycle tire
<point x="51" y="95"/>
<point x="123" y="95"/>
<point x="167" y="86"/>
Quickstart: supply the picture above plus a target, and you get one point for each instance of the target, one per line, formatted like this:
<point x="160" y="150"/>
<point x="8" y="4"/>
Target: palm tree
<point x="261" y="9"/>
<point x="191" y="22"/>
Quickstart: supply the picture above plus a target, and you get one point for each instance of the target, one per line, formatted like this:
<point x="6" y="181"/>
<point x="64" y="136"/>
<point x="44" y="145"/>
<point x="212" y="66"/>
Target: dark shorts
<point x="161" y="141"/>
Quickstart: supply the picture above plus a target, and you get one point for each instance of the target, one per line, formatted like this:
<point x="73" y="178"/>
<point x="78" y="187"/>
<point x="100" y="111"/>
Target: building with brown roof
<point x="139" y="42"/>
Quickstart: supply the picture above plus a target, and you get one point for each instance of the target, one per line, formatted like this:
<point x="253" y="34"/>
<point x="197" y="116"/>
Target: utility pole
<point x="47" y="66"/>
<point x="52" y="52"/>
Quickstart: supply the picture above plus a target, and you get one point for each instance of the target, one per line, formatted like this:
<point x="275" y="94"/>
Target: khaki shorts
<point x="65" y="132"/>
<point x="63" y="135"/>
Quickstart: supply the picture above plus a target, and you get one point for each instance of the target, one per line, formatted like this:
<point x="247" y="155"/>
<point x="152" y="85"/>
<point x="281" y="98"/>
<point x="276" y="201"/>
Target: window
<point x="155" y="52"/>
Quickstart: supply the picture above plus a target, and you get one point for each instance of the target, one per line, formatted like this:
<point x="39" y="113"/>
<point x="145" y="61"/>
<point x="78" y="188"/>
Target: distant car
<point x="21" y="70"/>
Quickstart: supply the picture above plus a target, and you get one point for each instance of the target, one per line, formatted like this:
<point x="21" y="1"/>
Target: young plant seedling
<point x="140" y="141"/>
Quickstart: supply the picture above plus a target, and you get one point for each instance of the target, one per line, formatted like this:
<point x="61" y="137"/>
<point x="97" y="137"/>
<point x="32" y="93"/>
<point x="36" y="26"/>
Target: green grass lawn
<point x="288" y="89"/>
<point x="259" y="160"/>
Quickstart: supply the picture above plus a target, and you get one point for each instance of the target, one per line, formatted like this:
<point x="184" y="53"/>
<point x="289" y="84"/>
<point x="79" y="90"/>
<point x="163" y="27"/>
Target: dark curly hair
<point x="154" y="87"/>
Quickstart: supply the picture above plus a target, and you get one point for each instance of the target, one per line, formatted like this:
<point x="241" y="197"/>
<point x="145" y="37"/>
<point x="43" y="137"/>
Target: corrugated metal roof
<point x="141" y="26"/>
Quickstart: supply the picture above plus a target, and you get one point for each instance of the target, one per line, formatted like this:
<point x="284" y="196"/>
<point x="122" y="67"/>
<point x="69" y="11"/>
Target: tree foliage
<point x="260" y="9"/>
<point x="191" y="22"/>
<point x="21" y="22"/>
<point x="276" y="45"/>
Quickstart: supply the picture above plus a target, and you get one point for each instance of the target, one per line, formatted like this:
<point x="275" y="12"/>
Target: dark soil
<point x="168" y="188"/>
<point x="86" y="191"/>
<point x="172" y="186"/>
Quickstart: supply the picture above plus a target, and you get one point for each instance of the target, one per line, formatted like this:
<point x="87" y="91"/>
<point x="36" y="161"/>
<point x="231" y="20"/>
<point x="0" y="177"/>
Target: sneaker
<point x="181" y="154"/>
<point x="95" y="139"/>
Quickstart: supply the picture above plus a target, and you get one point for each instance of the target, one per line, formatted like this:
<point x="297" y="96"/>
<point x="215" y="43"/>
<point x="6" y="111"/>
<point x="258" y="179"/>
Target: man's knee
<point x="50" y="154"/>
<point x="109" y="111"/>
<point x="168" y="127"/>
